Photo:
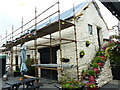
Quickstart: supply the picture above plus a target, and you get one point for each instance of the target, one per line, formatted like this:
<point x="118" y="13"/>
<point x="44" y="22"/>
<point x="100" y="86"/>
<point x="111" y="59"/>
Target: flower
<point x="92" y="86"/>
<point x="104" y="48"/>
<point x="72" y="84"/>
<point x="103" y="57"/>
<point x="110" y="41"/>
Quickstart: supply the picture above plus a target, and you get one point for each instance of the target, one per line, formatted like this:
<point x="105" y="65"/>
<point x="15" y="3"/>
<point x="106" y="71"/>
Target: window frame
<point x="90" y="29"/>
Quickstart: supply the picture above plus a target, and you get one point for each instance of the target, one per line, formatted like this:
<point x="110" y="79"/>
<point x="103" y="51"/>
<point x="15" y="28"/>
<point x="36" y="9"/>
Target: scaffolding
<point x="55" y="26"/>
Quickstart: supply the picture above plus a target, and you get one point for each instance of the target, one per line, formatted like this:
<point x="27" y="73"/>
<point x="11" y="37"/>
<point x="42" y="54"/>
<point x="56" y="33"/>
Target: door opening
<point x="45" y="59"/>
<point x="98" y="34"/>
<point x="16" y="61"/>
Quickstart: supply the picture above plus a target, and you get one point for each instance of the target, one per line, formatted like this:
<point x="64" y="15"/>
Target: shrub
<point x="100" y="53"/>
<point x="91" y="72"/>
<point x="31" y="69"/>
<point x="95" y="65"/>
<point x="97" y="60"/>
<point x="72" y="84"/>
<point x="83" y="71"/>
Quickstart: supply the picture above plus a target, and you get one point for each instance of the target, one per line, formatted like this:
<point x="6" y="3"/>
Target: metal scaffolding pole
<point x="50" y="50"/>
<point x="50" y="55"/>
<point x="12" y="51"/>
<point x="21" y="30"/>
<point x="55" y="26"/>
<point x="35" y="44"/>
<point x="21" y="38"/>
<point x="76" y="52"/>
<point x="6" y="41"/>
<point x="60" y="37"/>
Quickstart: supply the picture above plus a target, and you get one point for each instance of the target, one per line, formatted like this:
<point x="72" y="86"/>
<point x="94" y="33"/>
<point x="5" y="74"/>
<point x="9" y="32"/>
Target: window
<point x="90" y="29"/>
<point x="28" y="56"/>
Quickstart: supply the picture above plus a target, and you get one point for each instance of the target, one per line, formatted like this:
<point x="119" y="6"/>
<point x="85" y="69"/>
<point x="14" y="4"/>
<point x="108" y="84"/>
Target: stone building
<point x="90" y="26"/>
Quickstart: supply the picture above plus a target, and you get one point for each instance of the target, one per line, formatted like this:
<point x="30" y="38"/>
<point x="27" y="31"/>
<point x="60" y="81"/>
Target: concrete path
<point x="47" y="84"/>
<point x="0" y="83"/>
<point x="113" y="85"/>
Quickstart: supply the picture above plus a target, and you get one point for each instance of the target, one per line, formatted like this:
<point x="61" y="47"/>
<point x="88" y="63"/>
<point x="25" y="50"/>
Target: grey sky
<point x="11" y="12"/>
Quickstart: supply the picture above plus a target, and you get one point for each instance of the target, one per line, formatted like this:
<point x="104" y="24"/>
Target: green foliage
<point x="82" y="52"/>
<point x="91" y="72"/>
<point x="83" y="71"/>
<point x="29" y="62"/>
<point x="31" y="69"/>
<point x="100" y="53"/>
<point x="18" y="69"/>
<point x="114" y="55"/>
<point x="112" y="51"/>
<point x="97" y="59"/>
<point x="114" y="36"/>
<point x="92" y="86"/>
<point x="70" y="83"/>
<point x="88" y="42"/>
<point x="95" y="65"/>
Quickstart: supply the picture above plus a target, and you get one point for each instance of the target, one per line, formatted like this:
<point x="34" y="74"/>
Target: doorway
<point x="16" y="62"/>
<point x="45" y="58"/>
<point x="98" y="34"/>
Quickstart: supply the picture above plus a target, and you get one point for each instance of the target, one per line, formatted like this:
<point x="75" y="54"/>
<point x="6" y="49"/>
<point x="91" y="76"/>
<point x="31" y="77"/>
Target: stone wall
<point x="90" y="16"/>
<point x="105" y="75"/>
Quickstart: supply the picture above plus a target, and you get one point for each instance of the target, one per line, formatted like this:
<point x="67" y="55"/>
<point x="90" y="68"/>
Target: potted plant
<point x="17" y="72"/>
<point x="91" y="74"/>
<point x="83" y="74"/>
<point x="100" y="53"/>
<point x="103" y="58"/>
<point x="87" y="43"/>
<point x="92" y="87"/>
<point x="82" y="53"/>
<point x="31" y="70"/>
<point x="95" y="68"/>
<point x="65" y="59"/>
<point x="71" y="84"/>
<point x="98" y="60"/>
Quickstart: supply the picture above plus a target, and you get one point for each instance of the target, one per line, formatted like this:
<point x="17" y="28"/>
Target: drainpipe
<point x="119" y="28"/>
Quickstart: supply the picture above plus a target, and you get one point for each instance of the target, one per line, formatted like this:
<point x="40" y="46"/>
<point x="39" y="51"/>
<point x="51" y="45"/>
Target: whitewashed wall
<point x="90" y="16"/>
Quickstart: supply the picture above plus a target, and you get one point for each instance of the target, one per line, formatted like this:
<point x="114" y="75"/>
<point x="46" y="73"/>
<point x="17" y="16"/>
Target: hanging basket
<point x="65" y="60"/>
<point x="87" y="43"/>
<point x="81" y="56"/>
<point x="82" y="53"/>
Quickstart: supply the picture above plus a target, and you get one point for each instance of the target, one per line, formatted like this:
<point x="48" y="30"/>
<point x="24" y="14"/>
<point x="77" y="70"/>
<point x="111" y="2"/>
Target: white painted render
<point x="90" y="16"/>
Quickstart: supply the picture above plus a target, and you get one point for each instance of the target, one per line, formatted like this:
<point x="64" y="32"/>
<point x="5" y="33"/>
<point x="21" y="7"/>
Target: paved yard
<point x="0" y="83"/>
<point x="113" y="85"/>
<point x="47" y="84"/>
